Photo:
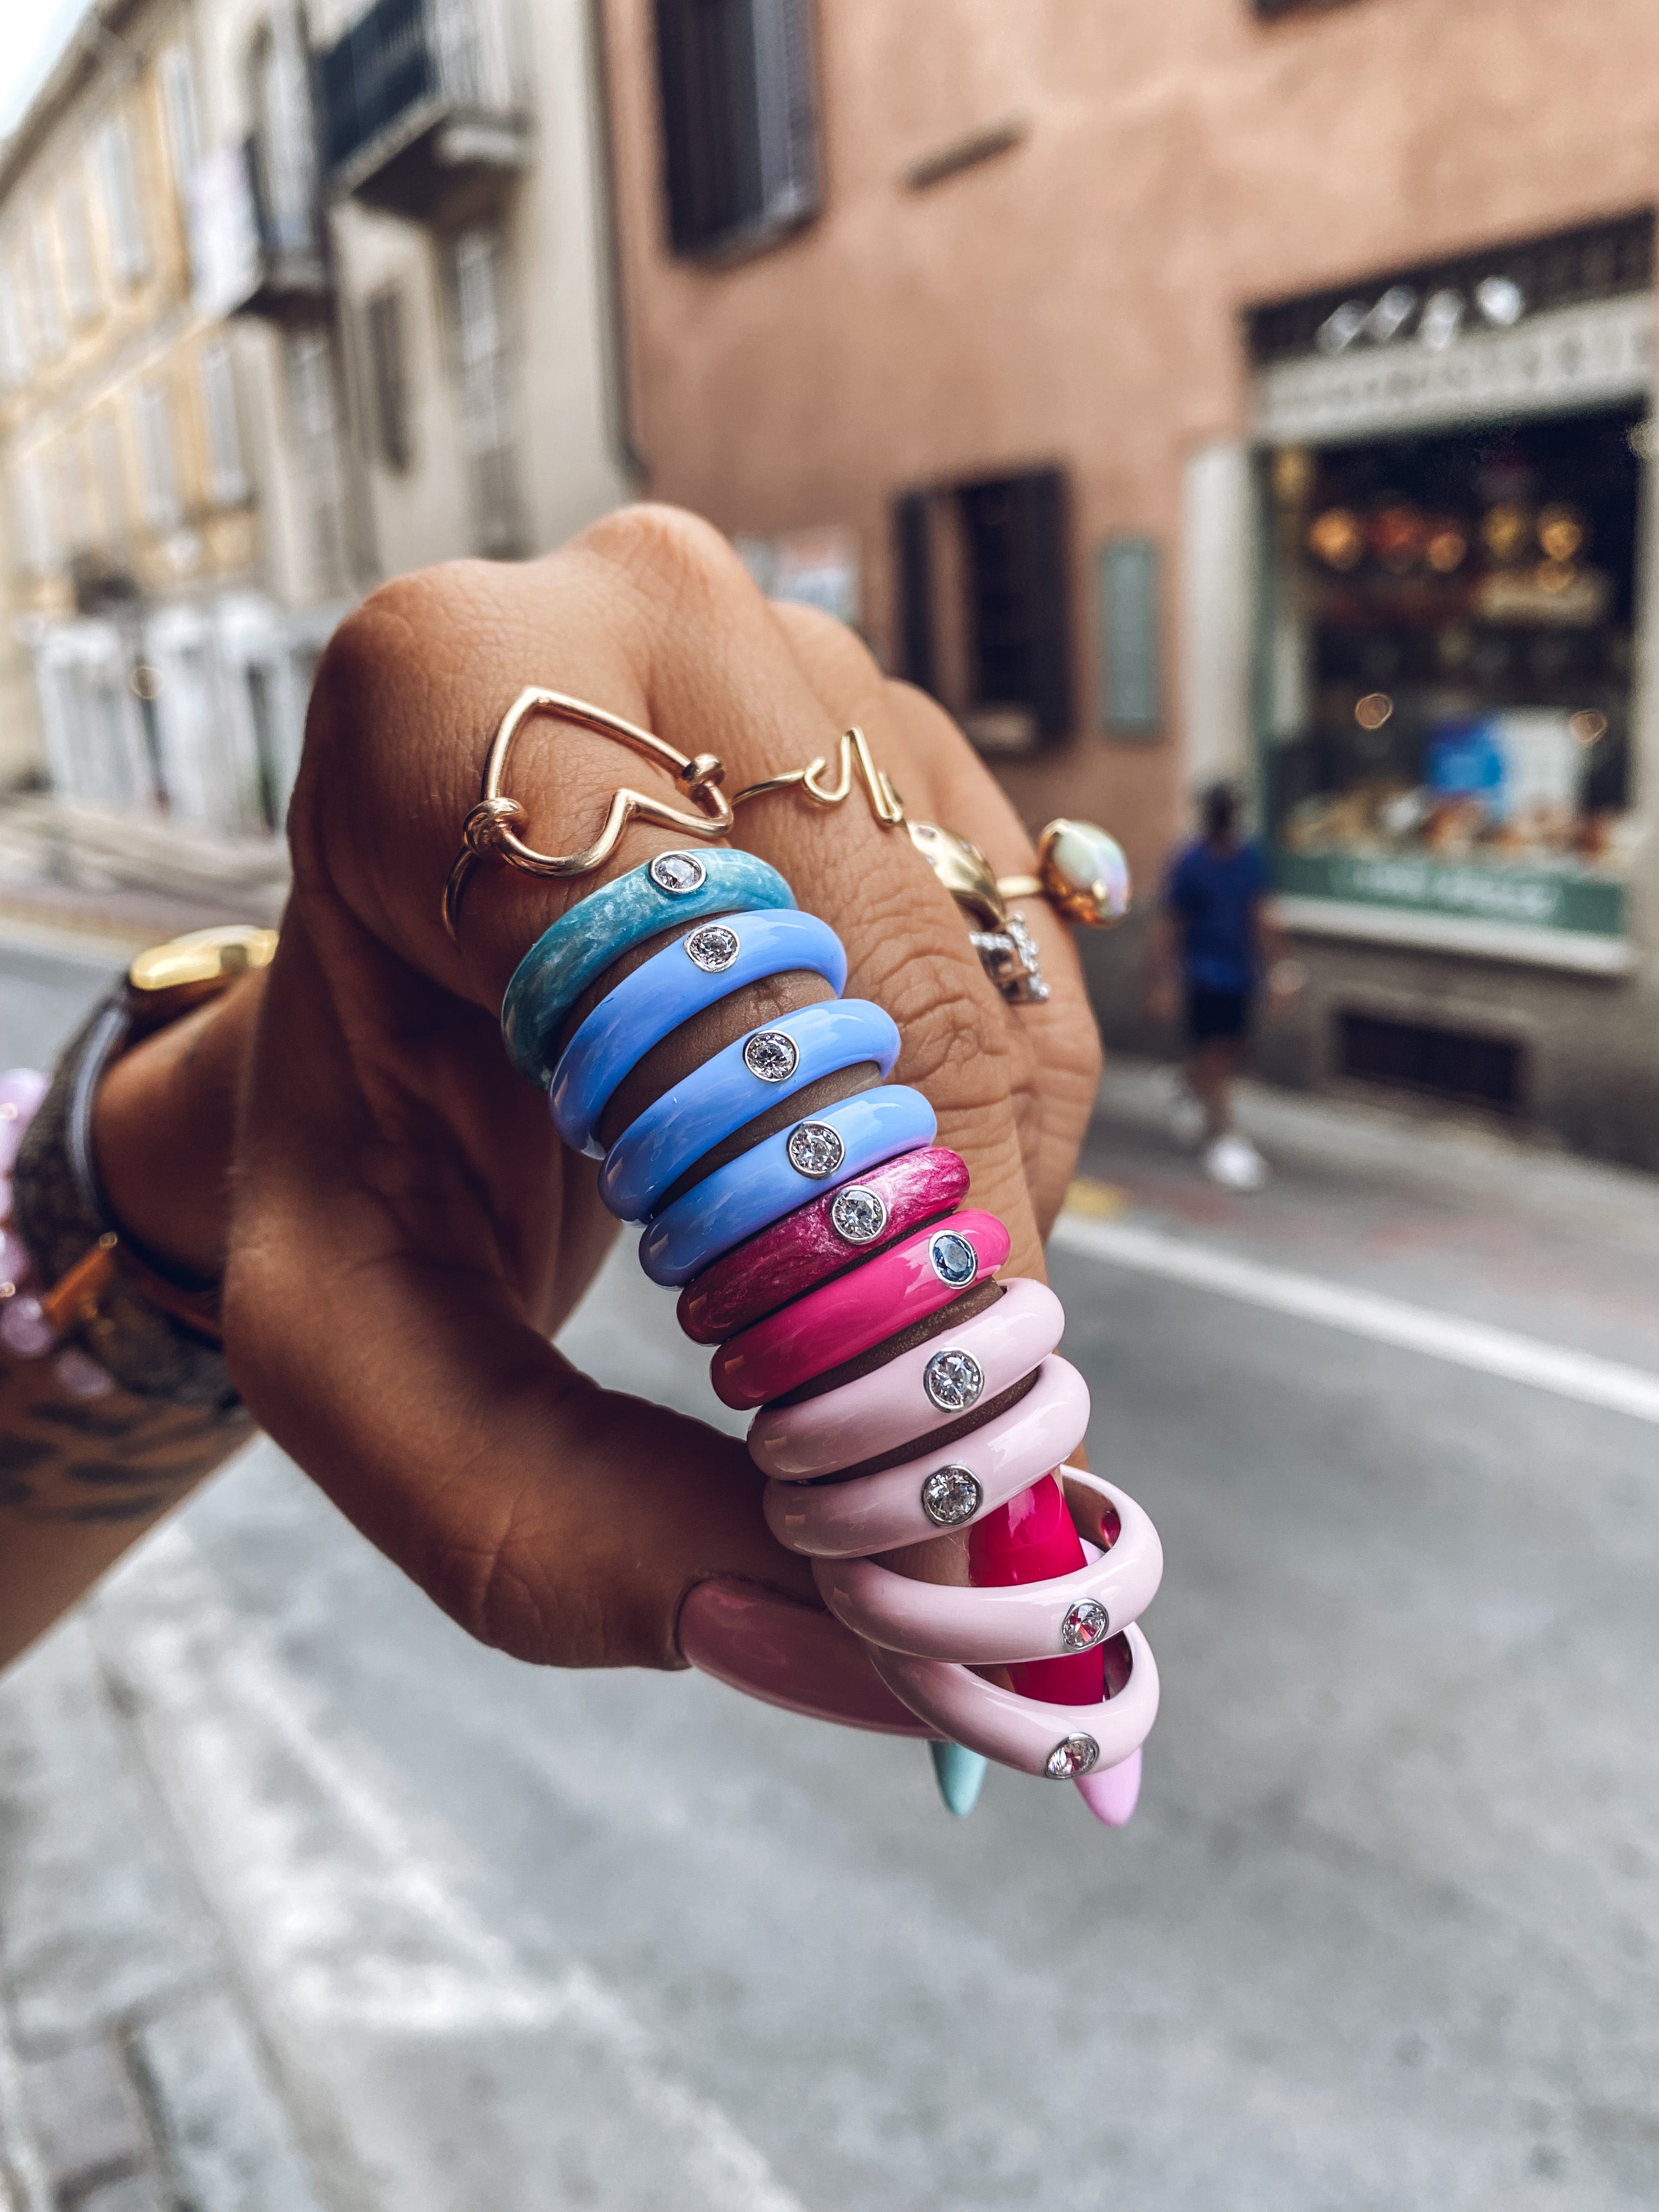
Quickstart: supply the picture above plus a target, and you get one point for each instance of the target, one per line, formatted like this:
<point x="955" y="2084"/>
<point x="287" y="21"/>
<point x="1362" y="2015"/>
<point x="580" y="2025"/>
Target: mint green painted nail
<point x="960" y="1775"/>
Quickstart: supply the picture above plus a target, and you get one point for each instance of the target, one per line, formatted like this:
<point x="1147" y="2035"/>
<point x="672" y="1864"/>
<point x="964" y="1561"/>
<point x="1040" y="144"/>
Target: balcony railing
<point x="257" y="239"/>
<point x="422" y="105"/>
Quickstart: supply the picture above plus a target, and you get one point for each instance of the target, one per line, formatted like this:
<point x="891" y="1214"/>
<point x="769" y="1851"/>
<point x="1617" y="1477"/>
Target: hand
<point x="407" y="1232"/>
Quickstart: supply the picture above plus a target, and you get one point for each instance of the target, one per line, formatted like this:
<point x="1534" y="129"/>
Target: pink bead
<point x="14" y="1259"/>
<point x="81" y="1376"/>
<point x="20" y="1092"/>
<point x="847" y="1315"/>
<point x="24" y="1329"/>
<point x="803" y="1249"/>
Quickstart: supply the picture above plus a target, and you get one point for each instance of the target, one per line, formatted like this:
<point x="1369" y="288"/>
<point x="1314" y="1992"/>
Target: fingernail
<point x="1112" y="1795"/>
<point x="788" y="1655"/>
<point x="960" y="1775"/>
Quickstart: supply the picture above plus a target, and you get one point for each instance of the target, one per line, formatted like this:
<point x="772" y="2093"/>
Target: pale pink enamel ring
<point x="849" y="1316"/>
<point x="1060" y="1741"/>
<point x="924" y="1389"/>
<point x="948" y="1487"/>
<point x="998" y="1627"/>
<point x="805" y="1247"/>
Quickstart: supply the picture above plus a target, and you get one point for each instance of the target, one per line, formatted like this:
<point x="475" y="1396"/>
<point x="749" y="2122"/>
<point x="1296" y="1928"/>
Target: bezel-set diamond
<point x="713" y="947"/>
<point x="953" y="1381"/>
<point x="770" y="1055"/>
<point x="815" y="1148"/>
<point x="858" y="1215"/>
<point x="954" y="1259"/>
<point x="1085" y="1626"/>
<point x="1072" y="1756"/>
<point x="678" y="874"/>
<point x="952" y="1495"/>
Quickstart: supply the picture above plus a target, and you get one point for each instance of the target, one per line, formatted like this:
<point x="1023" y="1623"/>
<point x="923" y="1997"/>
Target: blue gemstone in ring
<point x="955" y="1260"/>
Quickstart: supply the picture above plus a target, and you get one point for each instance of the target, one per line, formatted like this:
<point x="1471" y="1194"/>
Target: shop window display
<point x="1450" y="667"/>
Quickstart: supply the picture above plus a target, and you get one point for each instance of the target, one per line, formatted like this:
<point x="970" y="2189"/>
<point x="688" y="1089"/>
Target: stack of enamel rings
<point x="902" y="1393"/>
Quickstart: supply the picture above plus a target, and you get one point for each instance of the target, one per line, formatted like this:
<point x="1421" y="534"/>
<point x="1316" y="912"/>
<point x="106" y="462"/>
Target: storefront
<point x="1450" y="702"/>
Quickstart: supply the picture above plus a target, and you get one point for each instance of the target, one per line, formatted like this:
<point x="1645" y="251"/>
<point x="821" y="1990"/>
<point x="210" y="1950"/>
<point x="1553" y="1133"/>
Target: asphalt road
<point x="380" y="1922"/>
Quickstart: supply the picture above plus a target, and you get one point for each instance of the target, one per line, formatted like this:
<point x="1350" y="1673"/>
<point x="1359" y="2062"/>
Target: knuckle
<point x="672" y="555"/>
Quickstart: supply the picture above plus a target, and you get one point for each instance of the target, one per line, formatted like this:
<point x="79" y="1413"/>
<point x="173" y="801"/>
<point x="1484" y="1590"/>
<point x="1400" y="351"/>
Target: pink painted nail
<point x="1112" y="1795"/>
<point x="788" y="1655"/>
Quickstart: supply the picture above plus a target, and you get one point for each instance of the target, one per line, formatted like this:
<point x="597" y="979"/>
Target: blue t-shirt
<point x="1212" y="896"/>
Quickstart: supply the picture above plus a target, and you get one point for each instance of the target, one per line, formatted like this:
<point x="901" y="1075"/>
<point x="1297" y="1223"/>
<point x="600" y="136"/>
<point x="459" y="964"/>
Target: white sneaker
<point x="1186" y="1118"/>
<point x="1234" y="1162"/>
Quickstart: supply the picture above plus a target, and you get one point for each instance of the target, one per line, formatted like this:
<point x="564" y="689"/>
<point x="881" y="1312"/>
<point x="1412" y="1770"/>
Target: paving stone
<point x="133" y="2192"/>
<point x="83" y="2111"/>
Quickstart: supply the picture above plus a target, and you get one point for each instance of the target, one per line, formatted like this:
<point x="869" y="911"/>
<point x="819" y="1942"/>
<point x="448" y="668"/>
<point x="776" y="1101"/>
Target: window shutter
<point x="1042" y="500"/>
<point x="1132" y="685"/>
<point x="223" y="433"/>
<point x="786" y="112"/>
<point x="916" y="593"/>
<point x="385" y="353"/>
<point x="738" y="118"/>
<point x="121" y="207"/>
<point x="156" y="451"/>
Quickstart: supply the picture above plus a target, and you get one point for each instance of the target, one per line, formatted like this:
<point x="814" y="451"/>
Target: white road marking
<point x="353" y="1925"/>
<point x="1476" y="1344"/>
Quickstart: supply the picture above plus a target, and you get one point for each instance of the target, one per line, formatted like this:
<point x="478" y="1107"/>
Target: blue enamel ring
<point x="707" y="964"/>
<point x="674" y="888"/>
<point x="781" y="1173"/>
<point x="717" y="1099"/>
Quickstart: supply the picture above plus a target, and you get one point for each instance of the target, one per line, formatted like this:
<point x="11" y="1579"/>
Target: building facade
<point x="1217" y="389"/>
<point x="289" y="301"/>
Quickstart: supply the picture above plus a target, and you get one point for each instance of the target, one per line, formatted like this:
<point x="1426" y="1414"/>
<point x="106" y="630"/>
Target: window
<point x="72" y="496"/>
<point x="75" y="236"/>
<point x="156" y="454"/>
<point x="16" y="367"/>
<point x="110" y="476"/>
<point x="317" y="427"/>
<point x="48" y="308"/>
<point x="1130" y="645"/>
<point x="487" y="430"/>
<point x="284" y="145"/>
<point x="983" y="605"/>
<point x="36" y="538"/>
<point x="179" y="97"/>
<point x="739" y="120"/>
<point x="1473" y="1070"/>
<point x="386" y="364"/>
<point x="118" y="175"/>
<point x="227" y="479"/>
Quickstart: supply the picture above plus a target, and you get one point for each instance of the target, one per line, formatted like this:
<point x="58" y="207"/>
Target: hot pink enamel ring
<point x="847" y="1315"/>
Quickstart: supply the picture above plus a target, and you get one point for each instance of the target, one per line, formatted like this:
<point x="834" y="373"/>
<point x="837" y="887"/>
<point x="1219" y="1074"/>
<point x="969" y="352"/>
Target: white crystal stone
<point x="1071" y="1756"/>
<point x="678" y="871"/>
<point x="771" y="1055"/>
<point x="815" y="1148"/>
<point x="713" y="947"/>
<point x="1083" y="1625"/>
<point x="953" y="1380"/>
<point x="950" y="1496"/>
<point x="858" y="1216"/>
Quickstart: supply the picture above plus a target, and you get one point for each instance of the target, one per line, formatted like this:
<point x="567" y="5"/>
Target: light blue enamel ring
<point x="781" y="1173"/>
<point x="674" y="888"/>
<point x="730" y="1090"/>
<point x="707" y="964"/>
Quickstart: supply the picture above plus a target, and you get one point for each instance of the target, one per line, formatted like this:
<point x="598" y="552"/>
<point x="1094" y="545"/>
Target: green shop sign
<point x="1521" y="897"/>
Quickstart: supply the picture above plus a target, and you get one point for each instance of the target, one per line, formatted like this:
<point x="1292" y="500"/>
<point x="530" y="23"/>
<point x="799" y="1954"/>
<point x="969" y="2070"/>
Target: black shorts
<point x="1212" y="1014"/>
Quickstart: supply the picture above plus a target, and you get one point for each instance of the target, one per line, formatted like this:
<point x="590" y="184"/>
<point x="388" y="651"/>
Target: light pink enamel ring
<point x="1060" y="1741"/>
<point x="997" y="1627"/>
<point x="842" y="1318"/>
<point x="922" y="1389"/>
<point x="948" y="1487"/>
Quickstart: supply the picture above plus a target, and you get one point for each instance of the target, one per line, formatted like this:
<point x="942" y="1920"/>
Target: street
<point x="313" y="1906"/>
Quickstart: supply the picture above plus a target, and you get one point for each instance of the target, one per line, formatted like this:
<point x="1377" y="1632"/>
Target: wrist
<point x="164" y="1126"/>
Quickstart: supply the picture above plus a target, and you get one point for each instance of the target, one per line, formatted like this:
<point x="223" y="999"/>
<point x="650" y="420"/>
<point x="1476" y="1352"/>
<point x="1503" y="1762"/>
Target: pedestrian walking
<point x="1217" y="934"/>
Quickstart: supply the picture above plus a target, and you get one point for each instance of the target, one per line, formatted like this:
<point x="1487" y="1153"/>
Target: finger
<point x="380" y="1329"/>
